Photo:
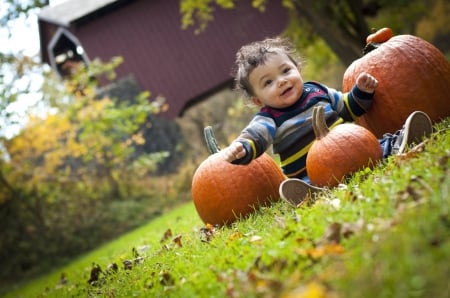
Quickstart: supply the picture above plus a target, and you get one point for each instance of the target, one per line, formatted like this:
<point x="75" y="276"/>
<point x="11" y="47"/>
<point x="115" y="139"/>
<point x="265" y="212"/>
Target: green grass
<point x="386" y="234"/>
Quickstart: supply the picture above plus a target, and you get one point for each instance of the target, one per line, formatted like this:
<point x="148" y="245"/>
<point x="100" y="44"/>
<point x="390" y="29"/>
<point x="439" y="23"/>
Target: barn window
<point x="65" y="53"/>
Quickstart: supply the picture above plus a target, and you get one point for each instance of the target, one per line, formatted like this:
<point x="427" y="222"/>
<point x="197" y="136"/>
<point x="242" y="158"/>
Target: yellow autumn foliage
<point x="89" y="143"/>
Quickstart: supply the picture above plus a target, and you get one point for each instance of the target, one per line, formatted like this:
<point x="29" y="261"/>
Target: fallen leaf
<point x="166" y="279"/>
<point x="177" y="241"/>
<point x="63" y="279"/>
<point x="138" y="260"/>
<point x="112" y="268"/>
<point x="127" y="265"/>
<point x="332" y="233"/>
<point x="167" y="234"/>
<point x="412" y="153"/>
<point x="207" y="233"/>
<point x="349" y="229"/>
<point x="95" y="274"/>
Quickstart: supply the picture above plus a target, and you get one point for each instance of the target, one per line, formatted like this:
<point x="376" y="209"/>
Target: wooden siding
<point x="166" y="60"/>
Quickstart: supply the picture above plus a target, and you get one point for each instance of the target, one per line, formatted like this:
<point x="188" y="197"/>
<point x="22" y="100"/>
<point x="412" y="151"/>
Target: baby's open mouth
<point x="286" y="91"/>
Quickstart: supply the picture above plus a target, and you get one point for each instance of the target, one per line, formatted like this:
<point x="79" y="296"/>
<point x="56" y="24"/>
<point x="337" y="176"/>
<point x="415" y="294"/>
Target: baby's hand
<point x="366" y="82"/>
<point x="234" y="151"/>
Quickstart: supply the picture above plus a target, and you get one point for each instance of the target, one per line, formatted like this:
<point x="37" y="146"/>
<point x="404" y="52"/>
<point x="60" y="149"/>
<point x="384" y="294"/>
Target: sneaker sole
<point x="417" y="121"/>
<point x="294" y="191"/>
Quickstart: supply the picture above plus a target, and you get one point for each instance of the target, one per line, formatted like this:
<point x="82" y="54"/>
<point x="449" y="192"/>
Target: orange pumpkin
<point x="223" y="192"/>
<point x="412" y="75"/>
<point x="339" y="152"/>
<point x="380" y="36"/>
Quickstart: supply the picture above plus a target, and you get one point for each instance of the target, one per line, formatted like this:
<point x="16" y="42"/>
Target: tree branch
<point x="334" y="29"/>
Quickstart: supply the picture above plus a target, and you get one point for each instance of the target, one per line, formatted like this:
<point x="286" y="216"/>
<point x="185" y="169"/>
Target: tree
<point x="342" y="24"/>
<point x="64" y="170"/>
<point x="18" y="72"/>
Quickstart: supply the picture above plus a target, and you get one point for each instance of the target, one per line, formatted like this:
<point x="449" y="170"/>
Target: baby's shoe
<point x="417" y="127"/>
<point x="295" y="191"/>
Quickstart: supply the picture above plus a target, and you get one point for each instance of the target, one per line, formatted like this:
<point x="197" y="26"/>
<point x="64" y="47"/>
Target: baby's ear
<point x="256" y="101"/>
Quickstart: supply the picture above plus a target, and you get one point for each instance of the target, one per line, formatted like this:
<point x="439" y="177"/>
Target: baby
<point x="268" y="74"/>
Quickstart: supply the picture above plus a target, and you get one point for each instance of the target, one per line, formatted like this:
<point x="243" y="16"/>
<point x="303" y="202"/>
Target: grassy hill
<point x="384" y="234"/>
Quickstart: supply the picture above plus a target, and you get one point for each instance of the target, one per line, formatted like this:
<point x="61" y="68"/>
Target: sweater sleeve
<point x="358" y="101"/>
<point x="352" y="104"/>
<point x="256" y="138"/>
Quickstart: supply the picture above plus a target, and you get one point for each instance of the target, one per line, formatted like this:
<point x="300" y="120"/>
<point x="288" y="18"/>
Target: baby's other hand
<point x="234" y="151"/>
<point x="366" y="82"/>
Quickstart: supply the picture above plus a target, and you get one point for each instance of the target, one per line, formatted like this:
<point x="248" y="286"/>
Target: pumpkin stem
<point x="211" y="141"/>
<point x="318" y="122"/>
<point x="370" y="47"/>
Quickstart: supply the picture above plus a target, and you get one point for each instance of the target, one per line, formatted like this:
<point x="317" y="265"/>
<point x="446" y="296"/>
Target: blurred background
<point x="103" y="104"/>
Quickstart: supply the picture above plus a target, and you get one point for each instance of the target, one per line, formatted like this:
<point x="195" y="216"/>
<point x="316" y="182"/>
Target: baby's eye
<point x="286" y="70"/>
<point x="267" y="82"/>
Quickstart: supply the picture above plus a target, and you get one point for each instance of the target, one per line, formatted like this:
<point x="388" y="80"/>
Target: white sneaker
<point x="417" y="127"/>
<point x="295" y="191"/>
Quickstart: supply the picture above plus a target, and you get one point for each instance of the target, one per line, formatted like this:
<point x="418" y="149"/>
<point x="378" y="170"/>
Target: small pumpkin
<point x="381" y="35"/>
<point x="339" y="152"/>
<point x="412" y="75"/>
<point x="223" y="192"/>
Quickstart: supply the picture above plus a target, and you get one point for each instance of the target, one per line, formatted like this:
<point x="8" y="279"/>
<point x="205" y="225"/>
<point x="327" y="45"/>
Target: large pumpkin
<point x="339" y="152"/>
<point x="223" y="192"/>
<point x="412" y="75"/>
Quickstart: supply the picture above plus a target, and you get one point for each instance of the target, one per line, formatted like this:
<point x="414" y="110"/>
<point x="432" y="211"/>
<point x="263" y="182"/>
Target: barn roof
<point x="69" y="11"/>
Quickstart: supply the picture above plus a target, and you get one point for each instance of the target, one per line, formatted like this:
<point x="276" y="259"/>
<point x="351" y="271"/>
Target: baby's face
<point x="277" y="83"/>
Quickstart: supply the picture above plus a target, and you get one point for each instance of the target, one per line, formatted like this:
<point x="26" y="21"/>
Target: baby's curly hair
<point x="254" y="54"/>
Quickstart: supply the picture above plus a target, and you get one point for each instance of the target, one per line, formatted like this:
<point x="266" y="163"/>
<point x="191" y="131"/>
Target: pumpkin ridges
<point x="212" y="204"/>
<point x="412" y="74"/>
<point x="244" y="205"/>
<point x="384" y="83"/>
<point x="223" y="192"/>
<point x="348" y="137"/>
<point x="345" y="149"/>
<point x="272" y="167"/>
<point x="219" y="208"/>
<point x="340" y="162"/>
<point x="370" y="147"/>
<point x="354" y="141"/>
<point x="202" y="207"/>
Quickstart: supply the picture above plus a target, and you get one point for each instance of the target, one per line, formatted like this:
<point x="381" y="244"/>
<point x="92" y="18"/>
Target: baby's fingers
<point x="366" y="82"/>
<point x="234" y="151"/>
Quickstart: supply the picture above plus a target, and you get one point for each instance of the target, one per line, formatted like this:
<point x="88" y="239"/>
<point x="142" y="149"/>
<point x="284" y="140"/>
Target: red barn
<point x="164" y="59"/>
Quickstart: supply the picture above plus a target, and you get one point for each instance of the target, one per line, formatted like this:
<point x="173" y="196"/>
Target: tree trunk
<point x="341" y="25"/>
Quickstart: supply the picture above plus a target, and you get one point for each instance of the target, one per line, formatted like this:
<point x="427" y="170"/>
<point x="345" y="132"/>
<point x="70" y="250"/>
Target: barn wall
<point x="172" y="62"/>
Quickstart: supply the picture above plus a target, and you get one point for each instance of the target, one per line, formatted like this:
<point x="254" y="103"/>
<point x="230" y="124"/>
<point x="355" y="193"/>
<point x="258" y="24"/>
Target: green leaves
<point x="64" y="164"/>
<point x="196" y="11"/>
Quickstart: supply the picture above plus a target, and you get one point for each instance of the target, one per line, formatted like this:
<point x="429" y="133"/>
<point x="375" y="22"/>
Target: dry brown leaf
<point x="207" y="233"/>
<point x="412" y="153"/>
<point x="332" y="233"/>
<point x="177" y="241"/>
<point x="167" y="234"/>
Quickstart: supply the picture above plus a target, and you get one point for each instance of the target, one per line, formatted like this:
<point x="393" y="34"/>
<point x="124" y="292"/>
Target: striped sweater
<point x="290" y="130"/>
